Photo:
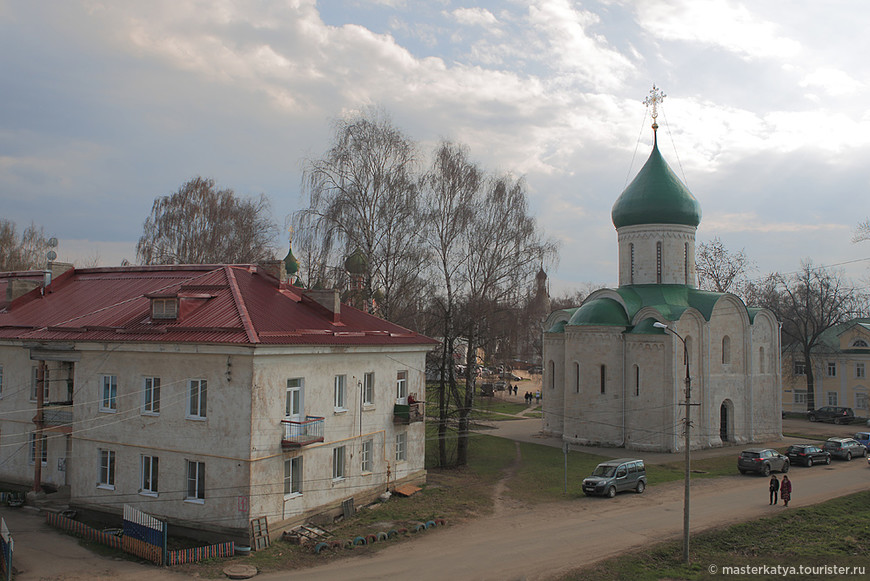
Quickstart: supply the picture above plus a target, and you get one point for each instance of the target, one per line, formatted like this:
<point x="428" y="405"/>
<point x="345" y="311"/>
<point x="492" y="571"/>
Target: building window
<point x="861" y="401"/>
<point x="198" y="397"/>
<point x="107" y="469"/>
<point x="293" y="475"/>
<point x="151" y="395"/>
<point x="726" y="350"/>
<point x="109" y="397"/>
<point x="34" y="384"/>
<point x="195" y="482"/>
<point x="860" y="371"/>
<point x="43" y="453"/>
<point x="552" y="369"/>
<point x="369" y="388"/>
<point x="401" y="446"/>
<point x="800" y="368"/>
<point x="340" y="393"/>
<point x="366" y="456"/>
<point x="832" y="398"/>
<point x="338" y="463"/>
<point x="636" y="380"/>
<point x="761" y="362"/>
<point x="687" y="348"/>
<point x="832" y="369"/>
<point x="686" y="263"/>
<point x="603" y="378"/>
<point x="576" y="378"/>
<point x="402" y="387"/>
<point x="859" y="343"/>
<point x="148" y="483"/>
<point x="800" y="396"/>
<point x="164" y="308"/>
<point x="659" y="262"/>
<point x="293" y="399"/>
<point x="631" y="272"/>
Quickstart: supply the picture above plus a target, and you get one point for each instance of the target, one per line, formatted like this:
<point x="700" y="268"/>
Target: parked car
<point x="845" y="448"/>
<point x="863" y="439"/>
<point x="762" y="460"/>
<point x="807" y="454"/>
<point x="614" y="476"/>
<point x="832" y="413"/>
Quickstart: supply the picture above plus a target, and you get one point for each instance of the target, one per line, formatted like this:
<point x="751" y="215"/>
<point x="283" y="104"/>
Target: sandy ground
<point x="516" y="542"/>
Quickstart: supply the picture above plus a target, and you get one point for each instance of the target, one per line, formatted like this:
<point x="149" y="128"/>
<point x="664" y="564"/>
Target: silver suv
<point x="614" y="476"/>
<point x="845" y="448"/>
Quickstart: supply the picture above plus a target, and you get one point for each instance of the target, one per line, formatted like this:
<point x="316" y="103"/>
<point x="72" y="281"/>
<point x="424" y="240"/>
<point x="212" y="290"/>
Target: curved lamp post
<point x="688" y="423"/>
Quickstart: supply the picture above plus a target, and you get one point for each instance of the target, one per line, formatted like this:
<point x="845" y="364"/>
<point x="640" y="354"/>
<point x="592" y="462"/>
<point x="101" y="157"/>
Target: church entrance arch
<point x="726" y="419"/>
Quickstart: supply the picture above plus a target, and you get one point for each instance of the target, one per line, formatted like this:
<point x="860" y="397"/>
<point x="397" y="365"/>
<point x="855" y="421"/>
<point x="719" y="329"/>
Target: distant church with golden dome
<point x="615" y="367"/>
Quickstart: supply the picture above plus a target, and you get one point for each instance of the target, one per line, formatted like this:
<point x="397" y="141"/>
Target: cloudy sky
<point x="105" y="105"/>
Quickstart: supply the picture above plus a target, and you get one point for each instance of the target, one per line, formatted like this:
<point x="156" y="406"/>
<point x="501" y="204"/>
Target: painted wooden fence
<point x="90" y="533"/>
<point x="144" y="535"/>
<point x="201" y="553"/>
<point x="6" y="543"/>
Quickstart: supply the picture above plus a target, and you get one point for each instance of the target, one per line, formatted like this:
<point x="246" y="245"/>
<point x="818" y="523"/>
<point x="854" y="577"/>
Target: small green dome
<point x="291" y="265"/>
<point x="600" y="312"/>
<point x="656" y="196"/>
<point x="356" y="263"/>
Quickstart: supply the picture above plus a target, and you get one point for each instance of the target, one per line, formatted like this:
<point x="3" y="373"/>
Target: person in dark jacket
<point x="774" y="489"/>
<point x="785" y="490"/>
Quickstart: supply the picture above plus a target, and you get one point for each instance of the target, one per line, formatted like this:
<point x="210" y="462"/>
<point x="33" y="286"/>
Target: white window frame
<point x="149" y="475"/>
<point x="106" y="472"/>
<point x="401" y="446"/>
<point x="402" y="386"/>
<point x="340" y="393"/>
<point x="195" y="482"/>
<point x="34" y="383"/>
<point x="832" y="398"/>
<point x="293" y="399"/>
<point x="369" y="388"/>
<point x="832" y="369"/>
<point x="109" y="393"/>
<point x="800" y="396"/>
<point x="151" y="396"/>
<point x="861" y="400"/>
<point x="860" y="371"/>
<point x="366" y="454"/>
<point x="293" y="476"/>
<point x="800" y="367"/>
<point x="197" y="399"/>
<point x="164" y="309"/>
<point x="338" y="463"/>
<point x="44" y="454"/>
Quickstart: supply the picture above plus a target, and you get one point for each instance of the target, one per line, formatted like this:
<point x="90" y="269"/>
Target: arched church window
<point x="761" y="360"/>
<point x="686" y="264"/>
<point x="659" y="262"/>
<point x="576" y="377"/>
<point x="631" y="257"/>
<point x="636" y="380"/>
<point x="726" y="350"/>
<point x="603" y="378"/>
<point x="552" y="369"/>
<point x="687" y="350"/>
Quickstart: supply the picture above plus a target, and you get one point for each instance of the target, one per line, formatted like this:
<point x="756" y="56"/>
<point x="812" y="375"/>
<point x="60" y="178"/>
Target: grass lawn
<point x="833" y="533"/>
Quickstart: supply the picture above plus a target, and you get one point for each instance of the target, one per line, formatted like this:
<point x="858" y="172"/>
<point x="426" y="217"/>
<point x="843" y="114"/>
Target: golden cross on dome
<point x="655" y="97"/>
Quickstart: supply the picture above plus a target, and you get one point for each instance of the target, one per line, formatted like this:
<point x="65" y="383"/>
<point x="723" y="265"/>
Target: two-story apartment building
<point x="207" y="395"/>
<point x="840" y="366"/>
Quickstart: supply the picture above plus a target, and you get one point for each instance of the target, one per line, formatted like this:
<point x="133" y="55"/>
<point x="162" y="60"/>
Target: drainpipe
<point x="624" y="362"/>
<point x="751" y="376"/>
<point x="39" y="420"/>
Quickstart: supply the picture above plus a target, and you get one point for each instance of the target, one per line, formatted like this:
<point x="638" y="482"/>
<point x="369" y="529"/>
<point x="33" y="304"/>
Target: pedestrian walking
<point x="774" y="489"/>
<point x="785" y="490"/>
<point x="537" y="397"/>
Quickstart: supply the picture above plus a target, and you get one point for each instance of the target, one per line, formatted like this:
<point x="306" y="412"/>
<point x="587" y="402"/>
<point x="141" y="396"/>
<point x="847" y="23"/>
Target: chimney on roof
<point x="329" y="299"/>
<point x="274" y="268"/>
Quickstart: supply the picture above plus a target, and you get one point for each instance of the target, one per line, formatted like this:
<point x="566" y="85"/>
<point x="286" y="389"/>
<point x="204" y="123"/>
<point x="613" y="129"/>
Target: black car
<point x="807" y="454"/>
<point x="832" y="413"/>
<point x="845" y="448"/>
<point x="761" y="460"/>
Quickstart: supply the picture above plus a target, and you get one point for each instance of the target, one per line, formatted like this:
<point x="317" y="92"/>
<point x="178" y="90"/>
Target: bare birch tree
<point x="24" y="252"/>
<point x="721" y="270"/>
<point x="201" y="224"/>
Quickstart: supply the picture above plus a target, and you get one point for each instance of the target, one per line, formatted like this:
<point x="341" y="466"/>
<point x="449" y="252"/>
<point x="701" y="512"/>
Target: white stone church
<point x="613" y="378"/>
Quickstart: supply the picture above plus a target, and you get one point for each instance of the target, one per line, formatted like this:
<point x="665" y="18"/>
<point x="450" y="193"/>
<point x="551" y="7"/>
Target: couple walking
<point x="784" y="489"/>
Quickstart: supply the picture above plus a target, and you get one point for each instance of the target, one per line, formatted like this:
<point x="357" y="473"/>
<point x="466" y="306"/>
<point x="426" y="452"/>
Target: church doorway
<point x="725" y="420"/>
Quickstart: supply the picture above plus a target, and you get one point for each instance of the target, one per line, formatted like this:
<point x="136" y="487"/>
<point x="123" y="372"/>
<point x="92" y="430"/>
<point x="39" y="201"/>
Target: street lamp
<point x="688" y="423"/>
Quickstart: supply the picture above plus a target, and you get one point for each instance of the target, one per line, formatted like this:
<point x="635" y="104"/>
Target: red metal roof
<point x="219" y="304"/>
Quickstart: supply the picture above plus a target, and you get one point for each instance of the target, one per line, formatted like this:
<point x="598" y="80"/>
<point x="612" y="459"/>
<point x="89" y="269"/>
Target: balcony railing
<point x="58" y="415"/>
<point x="297" y="434"/>
<point x="408" y="413"/>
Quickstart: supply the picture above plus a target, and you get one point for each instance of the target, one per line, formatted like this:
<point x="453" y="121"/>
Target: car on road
<point x="807" y="454"/>
<point x="614" y="476"/>
<point x="762" y="460"/>
<point x="863" y="439"/>
<point x="845" y="448"/>
<point x="832" y="413"/>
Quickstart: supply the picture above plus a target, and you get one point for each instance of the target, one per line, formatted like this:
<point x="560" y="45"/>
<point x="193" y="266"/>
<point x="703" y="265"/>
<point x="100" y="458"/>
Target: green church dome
<point x="600" y="312"/>
<point x="656" y="196"/>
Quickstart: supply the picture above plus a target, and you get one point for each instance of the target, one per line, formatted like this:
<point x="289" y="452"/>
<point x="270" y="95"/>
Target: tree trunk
<point x="467" y="402"/>
<point x="811" y="382"/>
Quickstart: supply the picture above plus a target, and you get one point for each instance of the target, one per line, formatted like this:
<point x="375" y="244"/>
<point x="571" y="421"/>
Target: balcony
<point x="58" y="416"/>
<point x="408" y="413"/>
<point x="298" y="434"/>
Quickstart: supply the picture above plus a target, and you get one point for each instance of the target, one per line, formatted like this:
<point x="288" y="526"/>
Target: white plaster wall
<point x="553" y="388"/>
<point x="673" y="237"/>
